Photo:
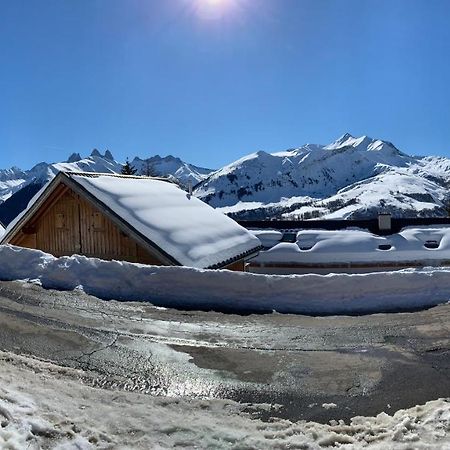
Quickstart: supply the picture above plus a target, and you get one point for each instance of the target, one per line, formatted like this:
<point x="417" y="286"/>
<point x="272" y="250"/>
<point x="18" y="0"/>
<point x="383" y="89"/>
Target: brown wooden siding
<point x="238" y="266"/>
<point x="67" y="224"/>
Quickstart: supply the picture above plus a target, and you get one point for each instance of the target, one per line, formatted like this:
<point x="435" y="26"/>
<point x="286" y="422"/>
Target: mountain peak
<point x="345" y="137"/>
<point x="341" y="141"/>
<point x="95" y="152"/>
<point x="109" y="155"/>
<point x="74" y="157"/>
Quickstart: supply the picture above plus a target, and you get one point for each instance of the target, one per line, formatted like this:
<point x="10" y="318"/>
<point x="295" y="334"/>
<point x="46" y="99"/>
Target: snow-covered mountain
<point x="14" y="179"/>
<point x="170" y="165"/>
<point x="350" y="178"/>
<point x="17" y="186"/>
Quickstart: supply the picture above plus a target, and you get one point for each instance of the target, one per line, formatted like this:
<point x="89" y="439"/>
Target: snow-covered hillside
<point x="350" y="178"/>
<point x="14" y="179"/>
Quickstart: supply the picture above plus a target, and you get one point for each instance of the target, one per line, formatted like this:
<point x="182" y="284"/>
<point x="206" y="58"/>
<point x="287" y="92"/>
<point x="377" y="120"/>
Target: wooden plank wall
<point x="72" y="225"/>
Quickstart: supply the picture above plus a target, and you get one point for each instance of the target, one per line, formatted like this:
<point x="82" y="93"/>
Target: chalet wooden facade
<point x="65" y="218"/>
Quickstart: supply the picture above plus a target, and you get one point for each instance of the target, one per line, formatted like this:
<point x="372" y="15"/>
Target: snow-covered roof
<point x="359" y="246"/>
<point x="268" y="238"/>
<point x="182" y="227"/>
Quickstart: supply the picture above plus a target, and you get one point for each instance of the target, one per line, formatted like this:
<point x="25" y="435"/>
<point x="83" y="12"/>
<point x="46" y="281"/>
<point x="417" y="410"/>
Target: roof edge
<point x="27" y="212"/>
<point x="249" y="253"/>
<point x="70" y="174"/>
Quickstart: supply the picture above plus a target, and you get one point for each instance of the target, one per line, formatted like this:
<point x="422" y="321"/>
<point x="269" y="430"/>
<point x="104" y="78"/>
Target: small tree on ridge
<point x="128" y="169"/>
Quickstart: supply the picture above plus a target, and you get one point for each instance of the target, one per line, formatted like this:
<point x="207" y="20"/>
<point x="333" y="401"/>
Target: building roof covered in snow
<point x="360" y="246"/>
<point x="157" y="214"/>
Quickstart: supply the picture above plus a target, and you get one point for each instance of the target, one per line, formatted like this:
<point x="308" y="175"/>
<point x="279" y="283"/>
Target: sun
<point x="215" y="9"/>
<point x="214" y="2"/>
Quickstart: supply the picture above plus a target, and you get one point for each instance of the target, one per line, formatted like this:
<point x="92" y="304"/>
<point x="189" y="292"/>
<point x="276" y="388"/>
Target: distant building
<point x="137" y="219"/>
<point x="351" y="250"/>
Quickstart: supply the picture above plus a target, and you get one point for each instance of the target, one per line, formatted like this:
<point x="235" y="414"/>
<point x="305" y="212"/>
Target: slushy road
<point x="314" y="368"/>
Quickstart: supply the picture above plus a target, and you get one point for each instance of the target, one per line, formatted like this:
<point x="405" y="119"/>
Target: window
<point x="60" y="221"/>
<point x="98" y="221"/>
<point x="431" y="244"/>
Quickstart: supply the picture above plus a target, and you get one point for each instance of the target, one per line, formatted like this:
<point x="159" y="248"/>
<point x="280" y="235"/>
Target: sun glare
<point x="215" y="9"/>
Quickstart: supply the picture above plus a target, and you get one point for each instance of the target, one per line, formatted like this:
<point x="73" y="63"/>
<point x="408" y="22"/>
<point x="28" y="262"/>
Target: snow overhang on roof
<point x="182" y="228"/>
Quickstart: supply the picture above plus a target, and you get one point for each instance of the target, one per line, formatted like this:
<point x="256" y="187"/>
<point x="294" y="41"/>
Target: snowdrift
<point x="231" y="291"/>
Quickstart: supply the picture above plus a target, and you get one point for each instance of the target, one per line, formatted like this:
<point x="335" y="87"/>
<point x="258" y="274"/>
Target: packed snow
<point x="426" y="245"/>
<point x="47" y="406"/>
<point x="226" y="290"/>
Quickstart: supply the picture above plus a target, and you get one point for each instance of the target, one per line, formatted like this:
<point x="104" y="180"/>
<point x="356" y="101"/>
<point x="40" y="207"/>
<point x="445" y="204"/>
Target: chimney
<point x="384" y="222"/>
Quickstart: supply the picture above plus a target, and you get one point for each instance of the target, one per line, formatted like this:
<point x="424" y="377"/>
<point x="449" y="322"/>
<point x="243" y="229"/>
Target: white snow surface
<point x="360" y="246"/>
<point x="43" y="405"/>
<point x="189" y="230"/>
<point x="268" y="238"/>
<point x="223" y="289"/>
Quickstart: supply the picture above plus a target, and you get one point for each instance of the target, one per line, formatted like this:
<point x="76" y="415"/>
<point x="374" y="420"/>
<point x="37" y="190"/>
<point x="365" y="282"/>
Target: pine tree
<point x="128" y="169"/>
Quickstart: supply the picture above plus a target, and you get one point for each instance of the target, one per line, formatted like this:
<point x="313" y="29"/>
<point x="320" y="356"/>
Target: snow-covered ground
<point x="46" y="406"/>
<point x="223" y="289"/>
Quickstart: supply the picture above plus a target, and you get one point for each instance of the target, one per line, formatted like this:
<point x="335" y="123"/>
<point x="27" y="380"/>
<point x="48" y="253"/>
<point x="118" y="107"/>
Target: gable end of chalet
<point x="65" y="219"/>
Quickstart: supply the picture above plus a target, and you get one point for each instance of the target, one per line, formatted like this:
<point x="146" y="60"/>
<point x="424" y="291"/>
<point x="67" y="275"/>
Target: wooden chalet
<point x="137" y="219"/>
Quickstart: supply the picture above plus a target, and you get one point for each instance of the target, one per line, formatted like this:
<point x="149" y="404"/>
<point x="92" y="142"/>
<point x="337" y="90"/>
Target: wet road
<point x="352" y="365"/>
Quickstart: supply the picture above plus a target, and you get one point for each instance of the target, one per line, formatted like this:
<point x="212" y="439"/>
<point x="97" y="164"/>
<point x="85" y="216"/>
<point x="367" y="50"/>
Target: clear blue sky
<point x="210" y="83"/>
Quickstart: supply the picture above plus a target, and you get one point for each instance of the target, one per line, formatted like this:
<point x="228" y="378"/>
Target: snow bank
<point x="268" y="238"/>
<point x="196" y="288"/>
<point x="412" y="244"/>
<point x="45" y="406"/>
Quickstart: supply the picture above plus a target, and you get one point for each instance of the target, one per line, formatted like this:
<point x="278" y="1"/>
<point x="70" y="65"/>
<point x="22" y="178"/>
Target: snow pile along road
<point x="187" y="287"/>
<point x="58" y="411"/>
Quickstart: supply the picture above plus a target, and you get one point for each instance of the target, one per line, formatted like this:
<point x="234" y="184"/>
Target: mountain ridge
<point x="17" y="186"/>
<point x="352" y="177"/>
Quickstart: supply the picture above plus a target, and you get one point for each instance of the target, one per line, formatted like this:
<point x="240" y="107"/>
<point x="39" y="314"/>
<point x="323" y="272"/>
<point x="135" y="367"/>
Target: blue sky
<point x="210" y="83"/>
